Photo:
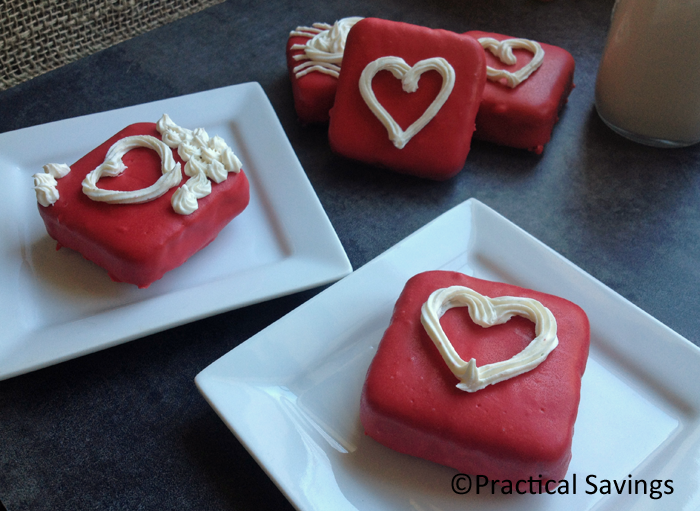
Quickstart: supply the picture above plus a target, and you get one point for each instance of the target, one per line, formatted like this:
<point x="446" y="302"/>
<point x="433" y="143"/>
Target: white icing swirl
<point x="409" y="77"/>
<point x="114" y="166"/>
<point x="486" y="312"/>
<point x="199" y="185"/>
<point x="206" y="159"/>
<point x="184" y="200"/>
<point x="504" y="51"/>
<point x="203" y="154"/>
<point x="57" y="170"/>
<point x="45" y="188"/>
<point x="325" y="48"/>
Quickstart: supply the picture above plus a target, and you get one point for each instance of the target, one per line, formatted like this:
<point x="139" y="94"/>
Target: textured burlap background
<point x="37" y="36"/>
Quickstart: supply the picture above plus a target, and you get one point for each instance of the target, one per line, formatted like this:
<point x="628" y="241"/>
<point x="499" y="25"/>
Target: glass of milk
<point x="648" y="84"/>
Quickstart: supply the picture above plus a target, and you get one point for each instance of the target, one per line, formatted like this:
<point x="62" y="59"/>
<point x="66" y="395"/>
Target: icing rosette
<point x="45" y="184"/>
<point x="45" y="188"/>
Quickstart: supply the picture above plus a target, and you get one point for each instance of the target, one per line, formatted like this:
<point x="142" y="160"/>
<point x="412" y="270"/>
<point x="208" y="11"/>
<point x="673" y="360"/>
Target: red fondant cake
<point x="388" y="56"/>
<point x="314" y="93"/>
<point x="524" y="116"/>
<point x="314" y="57"/>
<point x="138" y="243"/>
<point x="514" y="429"/>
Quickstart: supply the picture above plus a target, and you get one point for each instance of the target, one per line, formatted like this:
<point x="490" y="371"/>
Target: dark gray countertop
<point x="125" y="428"/>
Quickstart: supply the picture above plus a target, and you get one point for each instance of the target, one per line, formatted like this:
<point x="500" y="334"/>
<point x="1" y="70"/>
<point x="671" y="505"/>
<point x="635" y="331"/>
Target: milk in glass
<point x="648" y="84"/>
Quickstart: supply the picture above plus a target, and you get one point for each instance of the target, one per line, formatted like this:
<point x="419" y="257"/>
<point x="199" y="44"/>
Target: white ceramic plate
<point x="291" y="393"/>
<point x="56" y="305"/>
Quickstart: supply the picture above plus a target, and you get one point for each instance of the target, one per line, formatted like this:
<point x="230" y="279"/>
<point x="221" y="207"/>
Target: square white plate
<point x="55" y="305"/>
<point x="291" y="393"/>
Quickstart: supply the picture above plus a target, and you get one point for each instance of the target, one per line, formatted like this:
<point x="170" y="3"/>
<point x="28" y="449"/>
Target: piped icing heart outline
<point x="114" y="166"/>
<point x="409" y="76"/>
<point x="486" y="312"/>
<point x="504" y="51"/>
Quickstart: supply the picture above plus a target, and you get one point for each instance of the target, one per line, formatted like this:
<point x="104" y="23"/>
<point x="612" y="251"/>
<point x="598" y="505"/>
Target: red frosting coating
<point x="440" y="149"/>
<point x="524" y="116"/>
<point x="314" y="92"/>
<point x="138" y="243"/>
<point x="514" y="429"/>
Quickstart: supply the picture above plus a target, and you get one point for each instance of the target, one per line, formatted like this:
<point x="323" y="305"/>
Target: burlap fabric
<point x="37" y="36"/>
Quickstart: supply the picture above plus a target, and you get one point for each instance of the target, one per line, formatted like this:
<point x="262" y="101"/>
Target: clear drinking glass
<point x="648" y="84"/>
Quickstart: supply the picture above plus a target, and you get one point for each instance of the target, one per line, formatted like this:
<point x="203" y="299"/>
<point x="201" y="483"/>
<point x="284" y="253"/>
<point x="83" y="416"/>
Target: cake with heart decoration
<point x="528" y="85"/>
<point x="481" y="376"/>
<point x="407" y="97"/>
<point x="144" y="201"/>
<point x="314" y="58"/>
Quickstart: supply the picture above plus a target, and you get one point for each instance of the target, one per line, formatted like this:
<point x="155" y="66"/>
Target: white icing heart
<point x="409" y="77"/>
<point x="207" y="159"/>
<point x="114" y="166"/>
<point x="504" y="51"/>
<point x="486" y="312"/>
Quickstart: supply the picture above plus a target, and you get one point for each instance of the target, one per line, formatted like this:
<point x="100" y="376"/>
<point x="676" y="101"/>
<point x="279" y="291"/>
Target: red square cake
<point x="407" y="98"/>
<point x="512" y="429"/>
<point x="314" y="58"/>
<point x="160" y="207"/>
<point x="523" y="116"/>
